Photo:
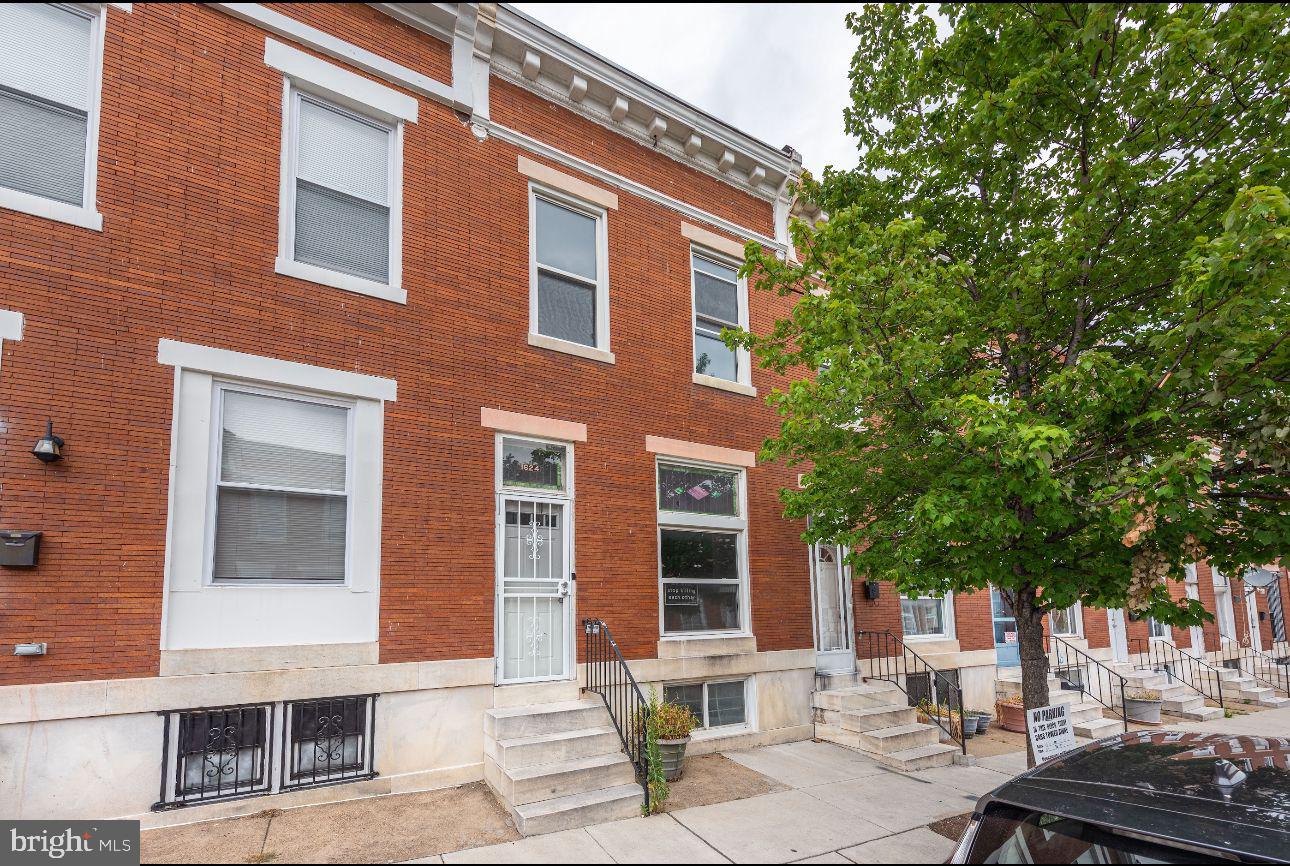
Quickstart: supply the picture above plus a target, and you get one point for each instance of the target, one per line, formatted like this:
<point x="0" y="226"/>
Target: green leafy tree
<point x="1045" y="350"/>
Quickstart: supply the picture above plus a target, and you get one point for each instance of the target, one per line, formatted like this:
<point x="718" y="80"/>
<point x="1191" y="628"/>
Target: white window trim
<point x="86" y="215"/>
<point x="504" y="489"/>
<point x="1078" y="608"/>
<point x="743" y="360"/>
<point x="947" y="616"/>
<point x="601" y="351"/>
<point x="706" y="732"/>
<point x="1168" y="636"/>
<point x="735" y="525"/>
<point x="218" y="390"/>
<point x="198" y="616"/>
<point x="305" y="74"/>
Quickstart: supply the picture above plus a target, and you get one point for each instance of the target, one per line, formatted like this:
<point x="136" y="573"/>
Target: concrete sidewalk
<point x="840" y="807"/>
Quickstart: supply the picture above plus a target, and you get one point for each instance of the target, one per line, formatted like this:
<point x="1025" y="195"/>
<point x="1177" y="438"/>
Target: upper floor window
<point x="339" y="216"/>
<point x="282" y="488"/>
<point x="50" y="68"/>
<point x="720" y="303"/>
<point x="569" y="296"/>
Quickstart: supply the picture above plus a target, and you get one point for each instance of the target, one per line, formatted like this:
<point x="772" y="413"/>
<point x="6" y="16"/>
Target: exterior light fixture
<point x="48" y="448"/>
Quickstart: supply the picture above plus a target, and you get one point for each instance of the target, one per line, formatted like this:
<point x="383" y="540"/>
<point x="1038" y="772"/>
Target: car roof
<point x="1213" y="790"/>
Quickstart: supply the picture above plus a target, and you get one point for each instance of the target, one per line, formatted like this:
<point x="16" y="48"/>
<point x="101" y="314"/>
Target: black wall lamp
<point x="48" y="448"/>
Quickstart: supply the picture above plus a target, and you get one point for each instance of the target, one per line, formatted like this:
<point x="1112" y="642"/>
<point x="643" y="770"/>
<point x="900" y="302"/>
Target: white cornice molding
<point x="605" y="176"/>
<point x="325" y="43"/>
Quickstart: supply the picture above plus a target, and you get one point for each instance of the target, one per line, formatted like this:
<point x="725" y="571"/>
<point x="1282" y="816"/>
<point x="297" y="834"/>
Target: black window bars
<point x="227" y="753"/>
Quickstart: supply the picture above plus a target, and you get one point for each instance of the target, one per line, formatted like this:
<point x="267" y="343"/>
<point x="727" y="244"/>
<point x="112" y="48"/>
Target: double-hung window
<point x="50" y="70"/>
<point x="1066" y="622"/>
<point x="569" y="295"/>
<point x="282" y="488"/>
<point x="926" y="616"/>
<point x="702" y="549"/>
<point x="720" y="303"/>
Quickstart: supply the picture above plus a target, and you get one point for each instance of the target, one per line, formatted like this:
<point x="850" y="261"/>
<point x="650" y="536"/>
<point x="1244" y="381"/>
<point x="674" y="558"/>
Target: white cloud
<point x="775" y="71"/>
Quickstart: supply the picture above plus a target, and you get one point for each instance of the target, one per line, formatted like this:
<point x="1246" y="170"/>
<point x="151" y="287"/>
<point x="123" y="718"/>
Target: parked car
<point x="1143" y="797"/>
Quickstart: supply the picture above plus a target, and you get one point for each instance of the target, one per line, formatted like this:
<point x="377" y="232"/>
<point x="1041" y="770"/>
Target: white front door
<point x="1252" y="614"/>
<point x="534" y="632"/>
<point x="831" y="587"/>
<point x="1223" y="610"/>
<point x="1119" y="633"/>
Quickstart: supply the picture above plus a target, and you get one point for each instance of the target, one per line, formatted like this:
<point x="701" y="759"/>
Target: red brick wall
<point x="188" y="187"/>
<point x="974" y="621"/>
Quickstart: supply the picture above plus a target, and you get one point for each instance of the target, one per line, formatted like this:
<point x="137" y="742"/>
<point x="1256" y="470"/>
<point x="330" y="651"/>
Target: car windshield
<point x="1011" y="835"/>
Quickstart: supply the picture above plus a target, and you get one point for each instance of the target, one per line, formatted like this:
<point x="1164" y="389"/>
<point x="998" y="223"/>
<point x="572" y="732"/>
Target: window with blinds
<point x="46" y="94"/>
<point x="716" y="308"/>
<point x="341" y="213"/>
<point x="568" y="272"/>
<point x="282" y="490"/>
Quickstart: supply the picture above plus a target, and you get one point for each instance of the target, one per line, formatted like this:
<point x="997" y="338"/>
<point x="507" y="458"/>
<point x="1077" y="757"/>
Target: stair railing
<point x="1257" y="665"/>
<point x="609" y="677"/>
<point x="1177" y="666"/>
<point x="1094" y="678"/>
<point x="890" y="660"/>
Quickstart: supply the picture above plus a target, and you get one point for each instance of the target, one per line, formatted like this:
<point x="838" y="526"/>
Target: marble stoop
<point x="559" y="766"/>
<point x="1088" y="717"/>
<point x="875" y="718"/>
<point x="1178" y="699"/>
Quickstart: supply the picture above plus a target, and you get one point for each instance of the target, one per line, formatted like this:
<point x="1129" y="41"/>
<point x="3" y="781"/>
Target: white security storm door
<point x="534" y="584"/>
<point x="1252" y="615"/>
<point x="831" y="584"/>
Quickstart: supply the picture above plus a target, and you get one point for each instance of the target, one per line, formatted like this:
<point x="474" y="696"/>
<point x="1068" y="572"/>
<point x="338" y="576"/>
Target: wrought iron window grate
<point x="225" y="753"/>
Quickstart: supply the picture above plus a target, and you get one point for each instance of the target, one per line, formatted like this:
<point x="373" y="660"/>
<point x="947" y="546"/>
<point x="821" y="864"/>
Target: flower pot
<point x="982" y="723"/>
<point x="970" y="726"/>
<point x="1147" y="712"/>
<point x="1012" y="717"/>
<point x="673" y="753"/>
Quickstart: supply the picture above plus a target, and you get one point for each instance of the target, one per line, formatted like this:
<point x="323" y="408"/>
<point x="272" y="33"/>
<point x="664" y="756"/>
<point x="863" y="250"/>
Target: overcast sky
<point x="775" y="71"/>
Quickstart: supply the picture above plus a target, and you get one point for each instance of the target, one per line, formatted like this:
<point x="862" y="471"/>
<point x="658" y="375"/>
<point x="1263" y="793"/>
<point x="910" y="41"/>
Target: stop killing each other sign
<point x="1051" y="733"/>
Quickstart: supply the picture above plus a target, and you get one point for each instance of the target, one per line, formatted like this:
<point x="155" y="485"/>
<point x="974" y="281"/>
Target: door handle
<point x="565" y="587"/>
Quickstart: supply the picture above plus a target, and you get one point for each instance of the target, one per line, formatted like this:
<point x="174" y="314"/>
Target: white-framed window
<point x="526" y="464"/>
<point x="1067" y="622"/>
<point x="927" y="616"/>
<point x="720" y="302"/>
<point x="703" y="550"/>
<point x="1158" y="630"/>
<point x="51" y="71"/>
<point x="716" y="704"/>
<point x="274" y="526"/>
<point x="340" y="220"/>
<point x="281" y="489"/>
<point x="568" y="274"/>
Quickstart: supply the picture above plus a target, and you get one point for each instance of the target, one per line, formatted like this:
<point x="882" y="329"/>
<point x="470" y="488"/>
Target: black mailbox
<point x="19" y="549"/>
<point x="871" y="590"/>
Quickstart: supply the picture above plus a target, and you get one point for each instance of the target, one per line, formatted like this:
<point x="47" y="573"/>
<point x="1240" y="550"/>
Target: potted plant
<point x="1011" y="712"/>
<point x="1143" y="706"/>
<point x="671" y="725"/>
<point x="982" y="721"/>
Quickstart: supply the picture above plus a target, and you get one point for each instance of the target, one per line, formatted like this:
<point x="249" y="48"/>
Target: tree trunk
<point x="1034" y="657"/>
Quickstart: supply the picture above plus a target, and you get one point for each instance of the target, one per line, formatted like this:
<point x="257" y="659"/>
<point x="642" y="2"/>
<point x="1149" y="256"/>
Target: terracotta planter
<point x="1012" y="717"/>
<point x="673" y="753"/>
<point x="1147" y="712"/>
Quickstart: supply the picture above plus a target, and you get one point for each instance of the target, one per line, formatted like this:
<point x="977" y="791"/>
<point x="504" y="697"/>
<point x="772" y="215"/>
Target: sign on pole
<point x="1051" y="734"/>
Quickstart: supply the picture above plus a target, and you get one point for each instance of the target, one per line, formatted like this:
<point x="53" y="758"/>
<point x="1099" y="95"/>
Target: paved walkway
<point x="840" y="807"/>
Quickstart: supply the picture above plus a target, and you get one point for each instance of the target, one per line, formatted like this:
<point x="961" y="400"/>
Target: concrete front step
<point x="579" y="810"/>
<point x="920" y="757"/>
<point x="1201" y="713"/>
<point x="887" y="741"/>
<point x="553" y="748"/>
<point x="873" y="718"/>
<point x="872" y="694"/>
<point x="509" y="723"/>
<point x="1096" y="729"/>
<point x="525" y="785"/>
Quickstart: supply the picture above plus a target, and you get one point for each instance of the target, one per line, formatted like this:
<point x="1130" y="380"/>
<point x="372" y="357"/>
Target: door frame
<point x="501" y="495"/>
<point x="843" y="660"/>
<point x="1252" y="617"/>
<point x="998" y="661"/>
<point x="1224" y="615"/>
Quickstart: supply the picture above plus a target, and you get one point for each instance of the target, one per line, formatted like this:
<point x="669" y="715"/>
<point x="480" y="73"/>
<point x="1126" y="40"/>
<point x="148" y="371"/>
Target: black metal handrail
<point x="1178" y="666"/>
<point x="1094" y="678"/>
<point x="1257" y="665"/>
<point x="890" y="660"/>
<point x="609" y="677"/>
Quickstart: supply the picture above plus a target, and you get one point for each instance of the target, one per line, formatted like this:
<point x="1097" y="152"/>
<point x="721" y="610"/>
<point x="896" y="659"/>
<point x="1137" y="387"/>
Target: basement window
<point x="714" y="704"/>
